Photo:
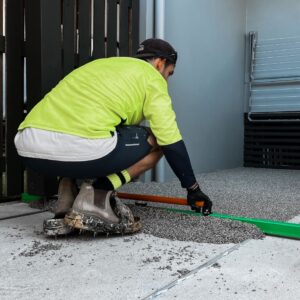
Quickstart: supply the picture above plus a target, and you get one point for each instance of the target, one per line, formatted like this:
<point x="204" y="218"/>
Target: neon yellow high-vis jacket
<point x="93" y="99"/>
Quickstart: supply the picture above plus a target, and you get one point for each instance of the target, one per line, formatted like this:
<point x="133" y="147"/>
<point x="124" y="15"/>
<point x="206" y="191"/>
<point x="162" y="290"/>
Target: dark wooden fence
<point x="2" y="150"/>
<point x="44" y="41"/>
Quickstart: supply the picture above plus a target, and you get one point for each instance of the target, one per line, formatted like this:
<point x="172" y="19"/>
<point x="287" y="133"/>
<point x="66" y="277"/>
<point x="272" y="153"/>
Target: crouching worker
<point x="87" y="127"/>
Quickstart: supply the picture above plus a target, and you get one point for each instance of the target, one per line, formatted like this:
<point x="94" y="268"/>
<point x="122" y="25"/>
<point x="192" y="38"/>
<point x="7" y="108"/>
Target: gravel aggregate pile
<point x="181" y="227"/>
<point x="248" y="192"/>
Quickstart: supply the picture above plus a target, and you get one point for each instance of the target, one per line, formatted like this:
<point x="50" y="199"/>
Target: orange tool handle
<point x="153" y="198"/>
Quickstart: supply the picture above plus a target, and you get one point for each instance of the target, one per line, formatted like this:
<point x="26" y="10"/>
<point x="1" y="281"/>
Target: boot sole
<point x="95" y="224"/>
<point x="56" y="227"/>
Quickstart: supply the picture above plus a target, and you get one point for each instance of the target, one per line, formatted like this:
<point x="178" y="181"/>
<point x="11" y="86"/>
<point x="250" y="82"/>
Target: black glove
<point x="195" y="194"/>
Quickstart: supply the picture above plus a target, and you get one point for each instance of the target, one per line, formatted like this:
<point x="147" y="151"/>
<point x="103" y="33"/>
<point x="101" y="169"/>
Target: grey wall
<point x="146" y="19"/>
<point x="207" y="87"/>
<point x="273" y="18"/>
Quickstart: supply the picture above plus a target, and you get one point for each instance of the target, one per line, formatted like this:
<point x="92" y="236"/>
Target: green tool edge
<point x="268" y="227"/>
<point x="25" y="197"/>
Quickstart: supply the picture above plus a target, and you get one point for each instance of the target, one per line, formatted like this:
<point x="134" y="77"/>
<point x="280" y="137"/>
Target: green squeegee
<point x="269" y="227"/>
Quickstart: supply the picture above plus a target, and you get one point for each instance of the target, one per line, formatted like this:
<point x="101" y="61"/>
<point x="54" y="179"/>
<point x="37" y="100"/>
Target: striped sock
<point x="112" y="181"/>
<point x="118" y="179"/>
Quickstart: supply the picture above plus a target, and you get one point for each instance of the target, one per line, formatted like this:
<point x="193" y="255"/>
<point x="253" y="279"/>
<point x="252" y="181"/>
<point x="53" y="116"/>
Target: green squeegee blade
<point x="269" y="227"/>
<point x="30" y="198"/>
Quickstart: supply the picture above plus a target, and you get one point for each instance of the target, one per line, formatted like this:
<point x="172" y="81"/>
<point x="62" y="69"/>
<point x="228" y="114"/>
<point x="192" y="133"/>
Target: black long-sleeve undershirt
<point x="178" y="158"/>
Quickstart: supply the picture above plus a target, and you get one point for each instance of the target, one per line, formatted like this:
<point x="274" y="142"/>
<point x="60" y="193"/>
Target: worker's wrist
<point x="194" y="188"/>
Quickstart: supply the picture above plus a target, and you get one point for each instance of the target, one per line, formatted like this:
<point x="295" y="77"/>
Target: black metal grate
<point x="272" y="141"/>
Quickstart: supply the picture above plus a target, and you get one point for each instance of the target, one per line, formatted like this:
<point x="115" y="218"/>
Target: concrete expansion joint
<point x="196" y="270"/>
<point x="23" y="215"/>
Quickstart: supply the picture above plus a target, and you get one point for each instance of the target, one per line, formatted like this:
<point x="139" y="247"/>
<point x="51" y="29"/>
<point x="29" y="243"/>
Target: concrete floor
<point x="143" y="266"/>
<point x="260" y="269"/>
<point x="128" y="267"/>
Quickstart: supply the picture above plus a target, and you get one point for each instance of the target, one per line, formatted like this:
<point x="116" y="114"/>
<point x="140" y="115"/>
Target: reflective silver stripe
<point x="127" y="145"/>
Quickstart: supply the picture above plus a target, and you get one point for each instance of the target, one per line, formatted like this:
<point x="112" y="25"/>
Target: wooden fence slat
<point x="84" y="27"/>
<point x="33" y="53"/>
<point x="99" y="26"/>
<point x="111" y="28"/>
<point x="1" y="105"/>
<point x="69" y="36"/>
<point x="43" y="48"/>
<point x="124" y="28"/>
<point x="15" y="95"/>
<point x="44" y="68"/>
<point x="135" y="26"/>
<point x="51" y="44"/>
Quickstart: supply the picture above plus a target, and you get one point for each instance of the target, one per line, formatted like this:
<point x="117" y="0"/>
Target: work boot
<point x="56" y="227"/>
<point x="99" y="211"/>
<point x="67" y="191"/>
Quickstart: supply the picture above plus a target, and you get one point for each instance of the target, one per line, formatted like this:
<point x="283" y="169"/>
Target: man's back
<point x="98" y="96"/>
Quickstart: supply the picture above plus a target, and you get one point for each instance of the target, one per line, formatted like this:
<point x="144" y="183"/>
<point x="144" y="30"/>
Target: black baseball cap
<point x="157" y="48"/>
